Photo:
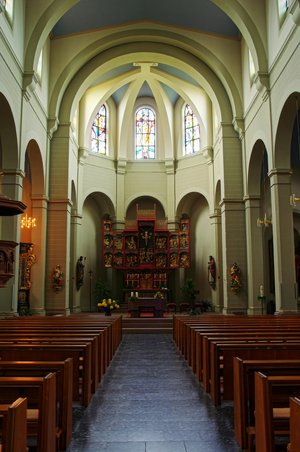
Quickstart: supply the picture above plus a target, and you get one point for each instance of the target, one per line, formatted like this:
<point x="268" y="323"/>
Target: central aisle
<point x="149" y="401"/>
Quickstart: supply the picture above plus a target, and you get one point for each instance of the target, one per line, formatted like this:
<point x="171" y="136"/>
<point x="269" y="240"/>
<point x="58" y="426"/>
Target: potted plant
<point x="102" y="291"/>
<point x="189" y="292"/>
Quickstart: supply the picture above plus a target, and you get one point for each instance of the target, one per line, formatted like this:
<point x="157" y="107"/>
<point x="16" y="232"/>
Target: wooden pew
<point x="227" y="351"/>
<point x="64" y="389"/>
<point x="294" y="444"/>
<point x="41" y="399"/>
<point x="14" y="426"/>
<point x="243" y="384"/>
<point x="110" y="329"/>
<point x="80" y="353"/>
<point x="56" y="339"/>
<point x="272" y="413"/>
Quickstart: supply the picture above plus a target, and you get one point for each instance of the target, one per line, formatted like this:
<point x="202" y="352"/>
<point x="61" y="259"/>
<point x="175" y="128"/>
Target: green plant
<point x="102" y="291"/>
<point x="188" y="290"/>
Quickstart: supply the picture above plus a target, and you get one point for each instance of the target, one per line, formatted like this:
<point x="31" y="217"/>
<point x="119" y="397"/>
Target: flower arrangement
<point x="158" y="295"/>
<point x="108" y="305"/>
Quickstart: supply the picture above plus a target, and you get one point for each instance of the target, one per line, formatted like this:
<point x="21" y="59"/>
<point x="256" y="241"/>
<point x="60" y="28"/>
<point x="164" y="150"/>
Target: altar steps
<point x="147" y="325"/>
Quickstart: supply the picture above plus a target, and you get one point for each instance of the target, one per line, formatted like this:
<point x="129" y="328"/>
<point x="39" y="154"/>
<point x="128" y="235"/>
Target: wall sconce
<point x="28" y="222"/>
<point x="294" y="199"/>
<point x="265" y="222"/>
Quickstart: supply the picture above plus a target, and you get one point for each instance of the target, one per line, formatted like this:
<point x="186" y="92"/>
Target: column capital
<point x="280" y="176"/>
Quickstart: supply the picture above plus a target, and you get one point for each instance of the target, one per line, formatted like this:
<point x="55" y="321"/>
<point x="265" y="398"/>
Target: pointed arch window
<point x="8" y="5"/>
<point x="145" y="134"/>
<point x="99" y="132"/>
<point x="282" y="8"/>
<point x="191" y="132"/>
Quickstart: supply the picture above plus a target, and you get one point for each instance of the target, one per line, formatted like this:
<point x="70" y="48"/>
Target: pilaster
<point x="283" y="239"/>
<point x="255" y="259"/>
<point x="58" y="249"/>
<point x="234" y="250"/>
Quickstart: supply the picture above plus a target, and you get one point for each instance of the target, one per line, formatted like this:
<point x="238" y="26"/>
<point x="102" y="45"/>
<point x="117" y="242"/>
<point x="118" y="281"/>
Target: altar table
<point x="154" y="305"/>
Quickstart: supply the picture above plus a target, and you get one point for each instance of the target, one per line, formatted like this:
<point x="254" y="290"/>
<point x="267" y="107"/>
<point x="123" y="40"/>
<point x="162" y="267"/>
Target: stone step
<point x="147" y="325"/>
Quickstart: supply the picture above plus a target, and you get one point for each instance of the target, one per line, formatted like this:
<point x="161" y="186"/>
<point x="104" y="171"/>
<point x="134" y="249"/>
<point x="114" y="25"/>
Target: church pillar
<point x="75" y="292"/>
<point x="255" y="262"/>
<point x="58" y="252"/>
<point x="217" y="288"/>
<point x="233" y="218"/>
<point x="38" y="239"/>
<point x="62" y="164"/>
<point x="171" y="208"/>
<point x="120" y="204"/>
<point x="283" y="239"/>
<point x="234" y="251"/>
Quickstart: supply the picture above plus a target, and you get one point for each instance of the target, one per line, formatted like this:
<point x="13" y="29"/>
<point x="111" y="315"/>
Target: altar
<point x="151" y="305"/>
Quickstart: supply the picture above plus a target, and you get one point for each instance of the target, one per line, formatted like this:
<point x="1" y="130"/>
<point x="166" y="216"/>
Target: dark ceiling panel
<point x="195" y="14"/>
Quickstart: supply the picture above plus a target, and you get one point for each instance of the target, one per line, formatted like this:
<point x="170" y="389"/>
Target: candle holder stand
<point x="262" y="299"/>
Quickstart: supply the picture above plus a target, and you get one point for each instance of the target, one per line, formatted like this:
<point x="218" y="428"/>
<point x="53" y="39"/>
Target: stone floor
<point x="149" y="401"/>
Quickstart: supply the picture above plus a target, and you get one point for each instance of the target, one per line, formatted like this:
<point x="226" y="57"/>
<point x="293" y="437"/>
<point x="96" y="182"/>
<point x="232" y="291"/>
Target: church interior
<point x="149" y="164"/>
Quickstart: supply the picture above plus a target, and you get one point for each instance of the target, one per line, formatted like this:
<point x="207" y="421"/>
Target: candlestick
<point x="261" y="290"/>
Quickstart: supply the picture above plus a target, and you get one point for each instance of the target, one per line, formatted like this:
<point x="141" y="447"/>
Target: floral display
<point x="108" y="305"/>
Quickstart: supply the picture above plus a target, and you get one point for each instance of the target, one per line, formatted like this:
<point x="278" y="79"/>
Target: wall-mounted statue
<point x="80" y="272"/>
<point x="211" y="276"/>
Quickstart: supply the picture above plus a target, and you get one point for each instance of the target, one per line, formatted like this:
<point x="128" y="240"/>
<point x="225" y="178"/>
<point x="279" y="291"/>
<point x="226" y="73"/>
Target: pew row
<point x="64" y="391"/>
<point x="41" y="410"/>
<point x="272" y="412"/>
<point x="294" y="444"/>
<point x="244" y="394"/>
<point x="14" y="426"/>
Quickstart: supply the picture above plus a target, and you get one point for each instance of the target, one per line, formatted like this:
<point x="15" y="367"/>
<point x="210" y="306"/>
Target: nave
<point x="149" y="401"/>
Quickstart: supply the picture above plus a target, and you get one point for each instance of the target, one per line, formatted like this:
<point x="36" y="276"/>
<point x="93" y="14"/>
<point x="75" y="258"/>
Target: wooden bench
<point x="244" y="394"/>
<point x="45" y="339"/>
<point x="225" y="352"/>
<point x="203" y="339"/>
<point x="64" y="389"/>
<point x="41" y="412"/>
<point x="110" y="329"/>
<point x="80" y="353"/>
<point x="14" y="426"/>
<point x="272" y="413"/>
<point x="294" y="444"/>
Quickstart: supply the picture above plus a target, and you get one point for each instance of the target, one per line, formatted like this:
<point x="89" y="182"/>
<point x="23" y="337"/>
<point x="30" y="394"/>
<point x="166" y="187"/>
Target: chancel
<point x="149" y="196"/>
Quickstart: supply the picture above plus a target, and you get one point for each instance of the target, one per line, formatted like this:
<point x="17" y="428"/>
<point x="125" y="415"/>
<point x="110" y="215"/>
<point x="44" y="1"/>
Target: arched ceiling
<point x="201" y="15"/>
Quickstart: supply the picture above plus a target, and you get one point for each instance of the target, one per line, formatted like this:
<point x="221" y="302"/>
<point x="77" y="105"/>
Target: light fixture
<point x="264" y="222"/>
<point x="294" y="199"/>
<point x="28" y="222"/>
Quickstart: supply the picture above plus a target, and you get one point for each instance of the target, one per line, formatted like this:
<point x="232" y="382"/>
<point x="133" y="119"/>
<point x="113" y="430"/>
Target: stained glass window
<point x="282" y="7"/>
<point x="99" y="132"/>
<point x="191" y="132"/>
<point x="145" y="131"/>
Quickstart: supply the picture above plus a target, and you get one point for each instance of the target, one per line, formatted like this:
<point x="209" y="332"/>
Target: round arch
<point x="283" y="137"/>
<point x="215" y="81"/>
<point x="8" y="136"/>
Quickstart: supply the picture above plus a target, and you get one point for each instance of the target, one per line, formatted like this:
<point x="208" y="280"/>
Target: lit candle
<point x="136" y="294"/>
<point x="131" y="294"/>
<point x="261" y="290"/>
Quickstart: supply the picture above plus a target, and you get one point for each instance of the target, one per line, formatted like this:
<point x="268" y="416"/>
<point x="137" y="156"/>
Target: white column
<point x="283" y="239"/>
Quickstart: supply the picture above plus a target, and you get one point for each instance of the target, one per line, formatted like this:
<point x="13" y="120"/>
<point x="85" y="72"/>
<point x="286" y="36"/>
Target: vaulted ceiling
<point x="201" y="15"/>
